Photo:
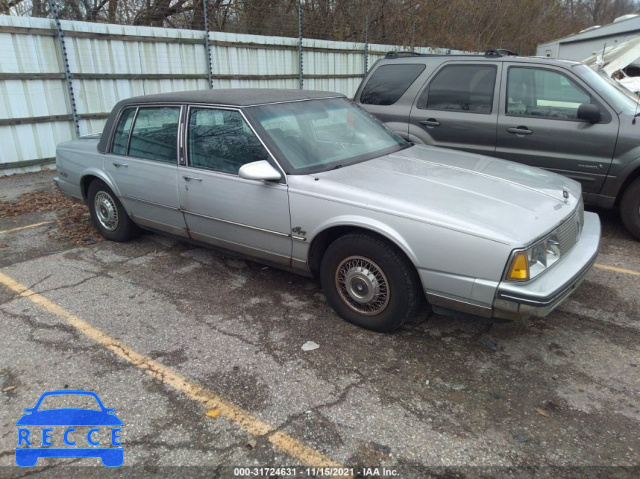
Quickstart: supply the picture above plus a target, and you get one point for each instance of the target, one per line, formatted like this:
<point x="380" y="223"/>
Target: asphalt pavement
<point x="200" y="355"/>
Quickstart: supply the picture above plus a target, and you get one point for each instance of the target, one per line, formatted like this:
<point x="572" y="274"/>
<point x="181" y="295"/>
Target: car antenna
<point x="635" y="115"/>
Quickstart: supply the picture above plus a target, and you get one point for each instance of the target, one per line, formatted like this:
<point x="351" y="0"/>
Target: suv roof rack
<point x="490" y="52"/>
<point x="395" y="54"/>
<point x="499" y="52"/>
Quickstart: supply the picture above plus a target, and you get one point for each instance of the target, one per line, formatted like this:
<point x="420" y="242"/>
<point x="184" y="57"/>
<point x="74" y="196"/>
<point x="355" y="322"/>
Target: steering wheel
<point x="350" y="133"/>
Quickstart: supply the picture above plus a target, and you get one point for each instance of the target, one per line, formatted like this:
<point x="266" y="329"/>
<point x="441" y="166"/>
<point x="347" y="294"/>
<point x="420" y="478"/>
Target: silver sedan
<point x="309" y="182"/>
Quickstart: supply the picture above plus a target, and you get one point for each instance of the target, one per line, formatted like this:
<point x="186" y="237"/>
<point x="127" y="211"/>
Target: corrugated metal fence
<point x="108" y="63"/>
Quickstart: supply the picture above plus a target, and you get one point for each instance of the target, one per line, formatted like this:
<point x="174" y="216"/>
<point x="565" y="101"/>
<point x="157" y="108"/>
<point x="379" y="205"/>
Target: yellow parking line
<point x="294" y="448"/>
<point x="20" y="228"/>
<point x="617" y="270"/>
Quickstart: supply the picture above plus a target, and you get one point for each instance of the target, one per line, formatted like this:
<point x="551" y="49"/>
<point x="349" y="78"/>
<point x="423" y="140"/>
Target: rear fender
<point x="96" y="173"/>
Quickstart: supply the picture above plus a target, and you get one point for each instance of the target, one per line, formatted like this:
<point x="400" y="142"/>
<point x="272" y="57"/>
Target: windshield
<point x="623" y="99"/>
<point x="319" y="135"/>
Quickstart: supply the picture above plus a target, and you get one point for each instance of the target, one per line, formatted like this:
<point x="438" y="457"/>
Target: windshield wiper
<point x="336" y="167"/>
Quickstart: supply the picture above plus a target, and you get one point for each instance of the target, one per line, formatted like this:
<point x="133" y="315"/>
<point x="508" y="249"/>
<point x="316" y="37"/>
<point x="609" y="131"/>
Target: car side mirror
<point x="259" y="170"/>
<point x="589" y="112"/>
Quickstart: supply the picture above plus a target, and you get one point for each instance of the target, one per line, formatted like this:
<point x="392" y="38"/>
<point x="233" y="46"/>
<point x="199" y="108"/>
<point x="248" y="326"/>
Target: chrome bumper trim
<point x="554" y="297"/>
<point x="458" y="304"/>
<point x="542" y="295"/>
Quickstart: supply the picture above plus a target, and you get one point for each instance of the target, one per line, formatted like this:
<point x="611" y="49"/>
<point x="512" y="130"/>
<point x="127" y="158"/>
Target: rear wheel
<point x="369" y="282"/>
<point x="630" y="208"/>
<point x="108" y="214"/>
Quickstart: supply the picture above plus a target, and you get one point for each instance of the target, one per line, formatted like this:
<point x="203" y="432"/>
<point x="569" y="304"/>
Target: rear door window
<point x="465" y="88"/>
<point x="121" y="136"/>
<point x="389" y="82"/>
<point x="155" y="134"/>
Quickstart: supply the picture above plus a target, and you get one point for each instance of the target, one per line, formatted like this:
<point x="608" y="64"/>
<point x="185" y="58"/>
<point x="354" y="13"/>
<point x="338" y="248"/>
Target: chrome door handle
<point x="118" y="165"/>
<point x="521" y="130"/>
<point x="430" y="122"/>
<point x="191" y="178"/>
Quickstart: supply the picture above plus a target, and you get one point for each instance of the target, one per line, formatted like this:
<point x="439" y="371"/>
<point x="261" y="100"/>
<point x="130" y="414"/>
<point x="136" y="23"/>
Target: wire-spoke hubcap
<point x="106" y="211"/>
<point x="362" y="285"/>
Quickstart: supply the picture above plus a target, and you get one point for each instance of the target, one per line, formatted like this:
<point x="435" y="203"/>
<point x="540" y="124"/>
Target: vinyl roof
<point x="240" y="97"/>
<point x="232" y="97"/>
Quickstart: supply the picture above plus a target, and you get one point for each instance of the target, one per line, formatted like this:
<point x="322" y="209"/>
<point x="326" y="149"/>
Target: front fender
<point x="621" y="169"/>
<point x="370" y="224"/>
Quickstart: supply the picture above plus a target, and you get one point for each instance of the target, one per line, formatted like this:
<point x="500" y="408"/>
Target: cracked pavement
<point x="553" y="397"/>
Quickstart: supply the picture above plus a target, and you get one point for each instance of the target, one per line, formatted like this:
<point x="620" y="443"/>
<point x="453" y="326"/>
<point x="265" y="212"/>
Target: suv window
<point x="121" y="136"/>
<point x="389" y="82"/>
<point x="467" y="88"/>
<point x="221" y="140"/>
<point x="543" y="93"/>
<point x="155" y="134"/>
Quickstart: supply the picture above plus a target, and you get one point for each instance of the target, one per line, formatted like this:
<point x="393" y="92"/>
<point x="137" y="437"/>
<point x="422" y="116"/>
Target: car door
<point x="220" y="208"/>
<point x="538" y="124"/>
<point x="143" y="164"/>
<point x="458" y="107"/>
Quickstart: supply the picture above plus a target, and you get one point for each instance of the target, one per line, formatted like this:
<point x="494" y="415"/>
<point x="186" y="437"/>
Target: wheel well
<point x="322" y="241"/>
<point x="635" y="174"/>
<point x="84" y="185"/>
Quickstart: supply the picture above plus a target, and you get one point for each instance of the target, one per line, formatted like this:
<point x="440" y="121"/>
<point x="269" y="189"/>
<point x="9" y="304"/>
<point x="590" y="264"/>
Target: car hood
<point x="479" y="195"/>
<point x="69" y="417"/>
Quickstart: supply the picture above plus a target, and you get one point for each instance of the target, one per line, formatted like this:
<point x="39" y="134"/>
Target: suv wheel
<point x="630" y="208"/>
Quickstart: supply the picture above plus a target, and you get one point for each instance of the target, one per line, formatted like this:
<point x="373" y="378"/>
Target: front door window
<point x="543" y="94"/>
<point x="221" y="140"/>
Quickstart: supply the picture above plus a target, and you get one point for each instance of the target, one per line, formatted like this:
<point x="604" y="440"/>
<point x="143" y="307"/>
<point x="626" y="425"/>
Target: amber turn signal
<point x="519" y="267"/>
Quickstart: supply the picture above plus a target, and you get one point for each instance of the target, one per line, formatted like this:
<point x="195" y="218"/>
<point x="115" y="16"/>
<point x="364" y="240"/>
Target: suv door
<point x="539" y="126"/>
<point x="220" y="208"/>
<point x="458" y="107"/>
<point x="143" y="164"/>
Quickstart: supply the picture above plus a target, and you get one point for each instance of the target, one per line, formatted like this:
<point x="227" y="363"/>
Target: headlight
<point x="528" y="263"/>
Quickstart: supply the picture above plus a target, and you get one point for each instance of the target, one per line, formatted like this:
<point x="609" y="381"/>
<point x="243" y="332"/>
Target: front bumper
<point x="542" y="295"/>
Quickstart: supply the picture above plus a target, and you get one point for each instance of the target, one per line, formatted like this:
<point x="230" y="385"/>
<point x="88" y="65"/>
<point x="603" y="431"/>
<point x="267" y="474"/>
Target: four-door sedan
<point x="309" y="182"/>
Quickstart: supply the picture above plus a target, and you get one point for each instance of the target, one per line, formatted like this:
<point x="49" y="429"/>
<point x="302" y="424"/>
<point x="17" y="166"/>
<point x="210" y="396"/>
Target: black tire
<point x="630" y="208"/>
<point x="108" y="214"/>
<point x="364" y="263"/>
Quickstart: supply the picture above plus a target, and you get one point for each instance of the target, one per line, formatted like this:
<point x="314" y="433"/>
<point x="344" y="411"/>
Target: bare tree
<point x="461" y="24"/>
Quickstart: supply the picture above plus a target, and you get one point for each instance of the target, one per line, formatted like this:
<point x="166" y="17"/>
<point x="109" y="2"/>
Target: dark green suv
<point x="553" y="114"/>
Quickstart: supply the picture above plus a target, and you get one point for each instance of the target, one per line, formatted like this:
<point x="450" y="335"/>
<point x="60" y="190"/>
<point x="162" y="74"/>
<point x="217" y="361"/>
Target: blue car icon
<point x="70" y="417"/>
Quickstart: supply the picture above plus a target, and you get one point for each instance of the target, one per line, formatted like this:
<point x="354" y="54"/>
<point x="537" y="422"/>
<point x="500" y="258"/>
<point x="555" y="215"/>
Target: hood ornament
<point x="565" y="195"/>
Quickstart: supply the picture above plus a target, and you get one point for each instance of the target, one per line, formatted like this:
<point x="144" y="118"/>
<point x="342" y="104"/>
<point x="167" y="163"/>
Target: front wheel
<point x="369" y="282"/>
<point x="630" y="208"/>
<point x="108" y="214"/>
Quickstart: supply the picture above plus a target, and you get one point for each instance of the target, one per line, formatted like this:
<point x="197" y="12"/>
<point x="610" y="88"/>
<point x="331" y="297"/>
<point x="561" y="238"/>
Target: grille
<point x="568" y="232"/>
